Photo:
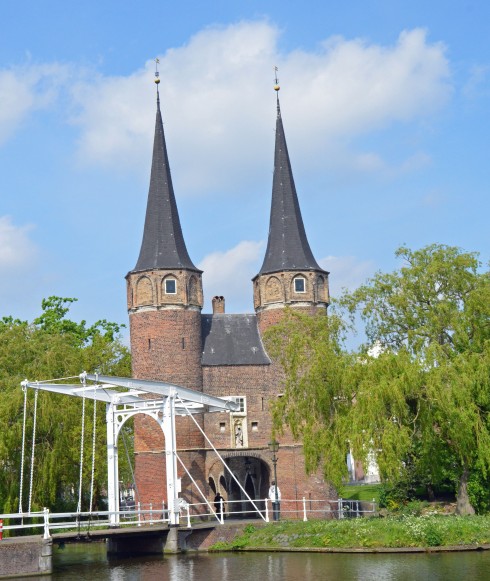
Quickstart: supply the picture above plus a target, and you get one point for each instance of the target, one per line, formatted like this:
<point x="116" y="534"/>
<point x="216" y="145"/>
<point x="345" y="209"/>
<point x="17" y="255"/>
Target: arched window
<point x="170" y="286"/>
<point x="300" y="284"/>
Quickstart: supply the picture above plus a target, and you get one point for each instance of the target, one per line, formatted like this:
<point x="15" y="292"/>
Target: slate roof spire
<point x="163" y="245"/>
<point x="287" y="247"/>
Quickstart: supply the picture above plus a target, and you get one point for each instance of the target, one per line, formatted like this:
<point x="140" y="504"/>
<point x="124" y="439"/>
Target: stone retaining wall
<point x="20" y="558"/>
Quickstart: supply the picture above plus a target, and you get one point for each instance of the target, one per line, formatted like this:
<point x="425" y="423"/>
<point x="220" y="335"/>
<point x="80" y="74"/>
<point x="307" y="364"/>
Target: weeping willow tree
<point x="53" y="346"/>
<point x="421" y="397"/>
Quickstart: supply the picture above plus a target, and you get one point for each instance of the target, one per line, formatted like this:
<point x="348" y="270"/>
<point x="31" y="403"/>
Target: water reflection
<point x="88" y="562"/>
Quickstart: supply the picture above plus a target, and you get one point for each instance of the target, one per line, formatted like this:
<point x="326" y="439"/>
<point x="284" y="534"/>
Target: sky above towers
<point x="386" y="108"/>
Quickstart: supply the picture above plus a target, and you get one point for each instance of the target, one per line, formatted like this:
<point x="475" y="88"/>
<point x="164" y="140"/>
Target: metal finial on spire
<point x="157" y="80"/>
<point x="276" y="89"/>
<point x="157" y="74"/>
<point x="276" y="86"/>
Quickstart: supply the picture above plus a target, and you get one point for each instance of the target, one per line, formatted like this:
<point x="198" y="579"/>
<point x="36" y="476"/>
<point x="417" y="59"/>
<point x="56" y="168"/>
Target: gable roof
<point x="232" y="340"/>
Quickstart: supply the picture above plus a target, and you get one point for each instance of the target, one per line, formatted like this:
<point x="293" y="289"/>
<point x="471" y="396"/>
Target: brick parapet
<point x="278" y="288"/>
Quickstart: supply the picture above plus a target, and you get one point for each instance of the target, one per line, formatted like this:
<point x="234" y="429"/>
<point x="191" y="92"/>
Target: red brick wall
<point x="272" y="316"/>
<point x="166" y="345"/>
<point x="261" y="385"/>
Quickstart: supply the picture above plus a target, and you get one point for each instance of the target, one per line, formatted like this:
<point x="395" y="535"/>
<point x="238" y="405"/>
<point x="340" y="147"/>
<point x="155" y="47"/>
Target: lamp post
<point x="274" y="447"/>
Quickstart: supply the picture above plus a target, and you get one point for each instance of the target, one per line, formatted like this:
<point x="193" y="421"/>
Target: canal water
<point x="88" y="562"/>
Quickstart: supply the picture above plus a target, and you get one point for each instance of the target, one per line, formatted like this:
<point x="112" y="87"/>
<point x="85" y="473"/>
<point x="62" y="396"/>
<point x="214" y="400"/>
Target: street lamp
<point x="274" y="447"/>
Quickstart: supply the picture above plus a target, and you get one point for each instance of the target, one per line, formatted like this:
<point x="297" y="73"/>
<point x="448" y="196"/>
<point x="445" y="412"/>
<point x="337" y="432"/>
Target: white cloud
<point x="229" y="274"/>
<point x="346" y="272"/>
<point x="351" y="87"/>
<point x="477" y="84"/>
<point x="27" y="88"/>
<point x="19" y="273"/>
<point x="16" y="248"/>
<point x="219" y="107"/>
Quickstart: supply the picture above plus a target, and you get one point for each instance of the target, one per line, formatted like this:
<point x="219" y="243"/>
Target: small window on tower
<point x="170" y="286"/>
<point x="299" y="285"/>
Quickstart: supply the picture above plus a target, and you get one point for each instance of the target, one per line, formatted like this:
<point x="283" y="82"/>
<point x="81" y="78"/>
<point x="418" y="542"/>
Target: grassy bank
<point x="393" y="532"/>
<point x="367" y="492"/>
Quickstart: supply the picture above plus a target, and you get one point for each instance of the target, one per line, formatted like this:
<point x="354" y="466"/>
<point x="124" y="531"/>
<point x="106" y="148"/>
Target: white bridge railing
<point x="297" y="509"/>
<point x="46" y="522"/>
<point x="82" y="522"/>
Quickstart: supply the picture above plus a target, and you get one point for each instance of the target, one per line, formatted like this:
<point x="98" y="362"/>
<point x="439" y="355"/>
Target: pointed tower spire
<point x="290" y="275"/>
<point x="163" y="245"/>
<point x="287" y="247"/>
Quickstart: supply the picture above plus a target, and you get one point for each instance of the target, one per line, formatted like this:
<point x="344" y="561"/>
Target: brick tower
<point x="164" y="297"/>
<point x="290" y="274"/>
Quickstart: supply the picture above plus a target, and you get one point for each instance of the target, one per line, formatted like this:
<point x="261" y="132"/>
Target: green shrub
<point x="433" y="537"/>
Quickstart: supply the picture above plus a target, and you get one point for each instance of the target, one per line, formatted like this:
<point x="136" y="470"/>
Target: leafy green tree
<point x="53" y="346"/>
<point x="431" y="320"/>
<point x="420" y="396"/>
<point x="317" y="392"/>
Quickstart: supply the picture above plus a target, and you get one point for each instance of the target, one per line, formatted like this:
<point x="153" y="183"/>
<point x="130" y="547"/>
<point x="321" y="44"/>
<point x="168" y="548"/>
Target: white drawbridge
<point x="124" y="398"/>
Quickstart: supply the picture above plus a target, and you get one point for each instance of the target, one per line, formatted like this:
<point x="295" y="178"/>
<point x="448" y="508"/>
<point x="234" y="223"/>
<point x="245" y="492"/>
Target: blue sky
<point x="386" y="108"/>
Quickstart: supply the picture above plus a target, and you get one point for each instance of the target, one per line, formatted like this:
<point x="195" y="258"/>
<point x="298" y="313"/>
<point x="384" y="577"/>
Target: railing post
<point x="46" y="523"/>
<point x="305" y="518"/>
<point x="187" y="507"/>
<point x="340" y="511"/>
<point x="163" y="510"/>
<point x="266" y="510"/>
<point x="151" y="513"/>
<point x="222" y="509"/>
<point x="139" y="513"/>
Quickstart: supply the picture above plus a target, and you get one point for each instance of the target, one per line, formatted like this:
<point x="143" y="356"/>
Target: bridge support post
<point x="112" y="467"/>
<point x="172" y="542"/>
<point x="173" y="481"/>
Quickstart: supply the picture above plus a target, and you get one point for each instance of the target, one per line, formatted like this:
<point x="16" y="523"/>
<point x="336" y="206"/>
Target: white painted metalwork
<point x="121" y="405"/>
<point x="22" y="455"/>
<point x="226" y="466"/>
<point x="82" y="447"/>
<point x="297" y="509"/>
<point x="34" y="423"/>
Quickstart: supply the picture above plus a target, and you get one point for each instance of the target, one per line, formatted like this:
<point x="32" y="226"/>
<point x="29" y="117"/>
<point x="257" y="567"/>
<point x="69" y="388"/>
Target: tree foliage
<point x="52" y="346"/>
<point x="419" y="397"/>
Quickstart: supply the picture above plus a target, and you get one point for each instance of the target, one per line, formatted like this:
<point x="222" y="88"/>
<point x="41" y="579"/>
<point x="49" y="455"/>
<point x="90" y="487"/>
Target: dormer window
<point x="170" y="286"/>
<point x="299" y="285"/>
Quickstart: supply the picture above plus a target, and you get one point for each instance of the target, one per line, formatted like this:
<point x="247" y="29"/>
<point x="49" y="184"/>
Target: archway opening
<point x="253" y="474"/>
